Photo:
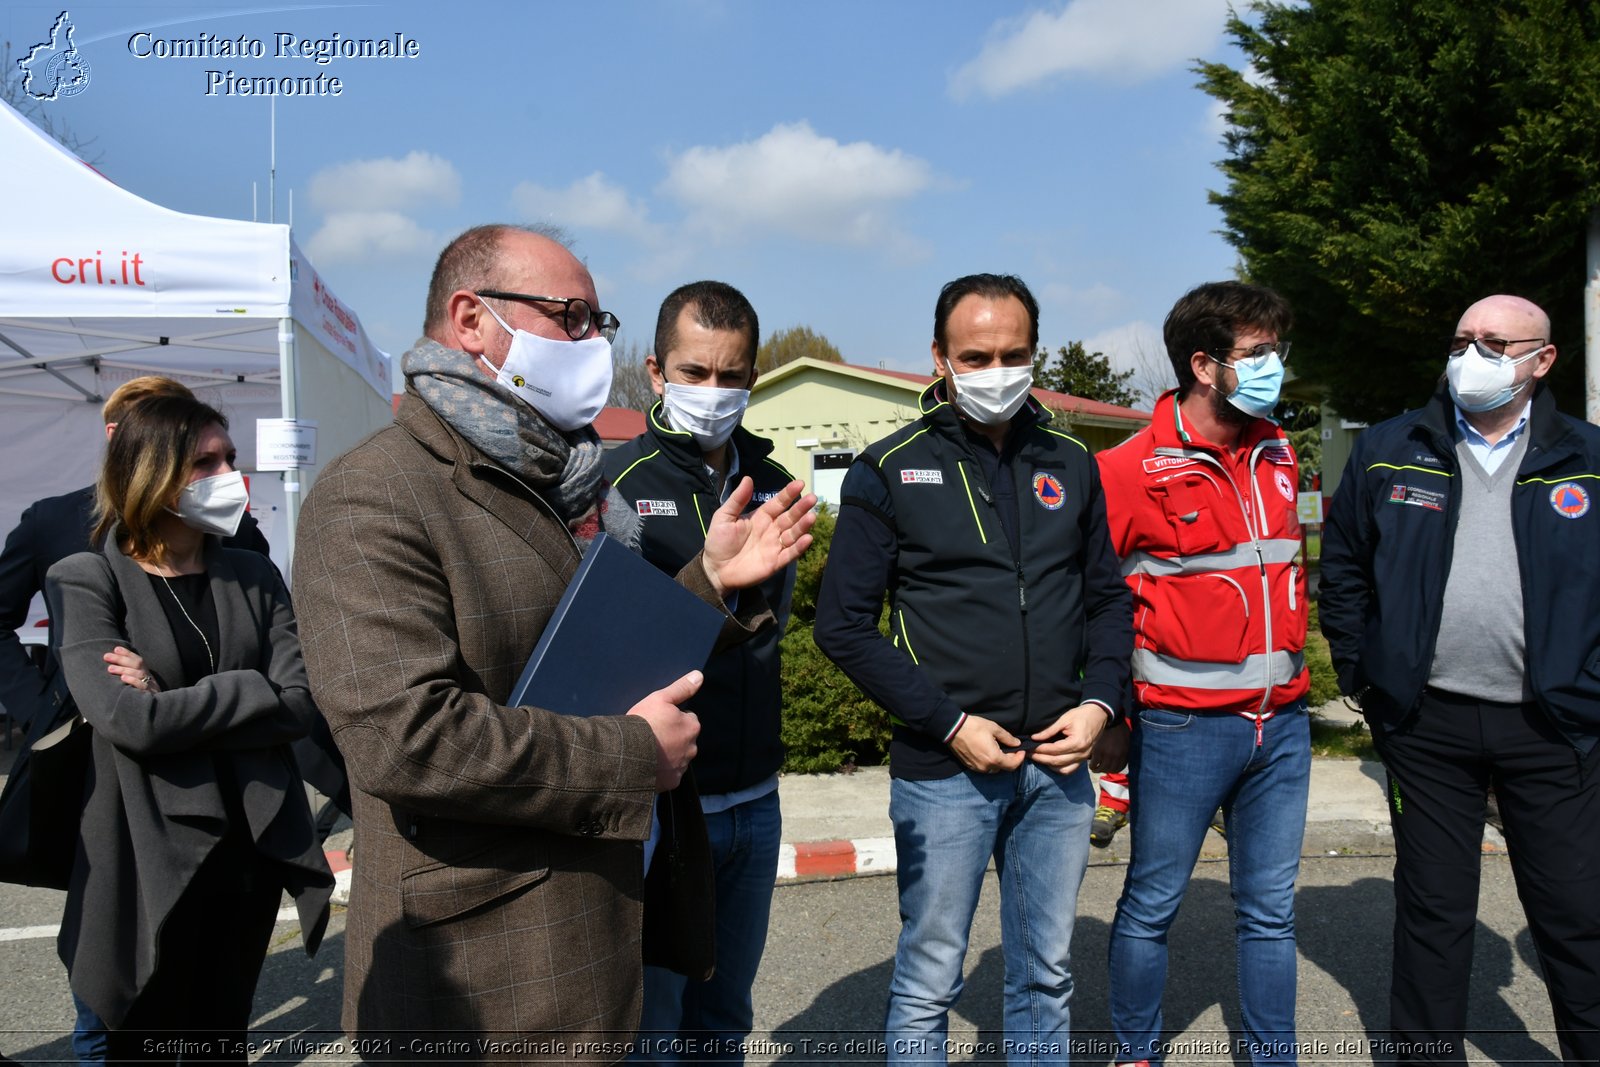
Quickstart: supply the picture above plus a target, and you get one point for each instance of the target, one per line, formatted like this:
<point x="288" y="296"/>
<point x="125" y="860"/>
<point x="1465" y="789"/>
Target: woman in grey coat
<point x="184" y="658"/>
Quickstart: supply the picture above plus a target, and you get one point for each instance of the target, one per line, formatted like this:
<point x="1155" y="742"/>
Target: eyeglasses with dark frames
<point x="1494" y="348"/>
<point x="576" y="314"/>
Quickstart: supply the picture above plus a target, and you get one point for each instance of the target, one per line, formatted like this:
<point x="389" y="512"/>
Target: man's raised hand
<point x="743" y="550"/>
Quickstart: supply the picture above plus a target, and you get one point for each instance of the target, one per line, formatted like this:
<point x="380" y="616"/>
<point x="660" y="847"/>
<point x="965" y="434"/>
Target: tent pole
<point x="289" y="388"/>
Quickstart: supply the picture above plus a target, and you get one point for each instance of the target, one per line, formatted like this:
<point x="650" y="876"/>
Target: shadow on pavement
<point x="1343" y="935"/>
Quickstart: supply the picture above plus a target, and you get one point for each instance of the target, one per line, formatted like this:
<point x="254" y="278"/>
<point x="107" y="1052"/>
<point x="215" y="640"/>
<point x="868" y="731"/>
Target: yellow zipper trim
<point x="618" y="479"/>
<point x="901" y="445"/>
<point x="972" y="503"/>
<point x="1424" y="470"/>
<point x="907" y="637"/>
<point x="1556" y="481"/>
<point x="1068" y="436"/>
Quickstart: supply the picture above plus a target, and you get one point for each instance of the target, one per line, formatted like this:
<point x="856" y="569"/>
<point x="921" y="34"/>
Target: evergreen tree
<point x="1388" y="163"/>
<point x="1083" y="374"/>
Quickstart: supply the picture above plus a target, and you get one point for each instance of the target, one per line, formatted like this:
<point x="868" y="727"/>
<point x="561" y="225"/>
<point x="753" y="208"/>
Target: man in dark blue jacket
<point x="1460" y="573"/>
<point x="1012" y="632"/>
<point x="676" y="474"/>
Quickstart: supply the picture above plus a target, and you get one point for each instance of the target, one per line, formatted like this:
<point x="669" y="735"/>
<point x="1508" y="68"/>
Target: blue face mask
<point x="1260" y="382"/>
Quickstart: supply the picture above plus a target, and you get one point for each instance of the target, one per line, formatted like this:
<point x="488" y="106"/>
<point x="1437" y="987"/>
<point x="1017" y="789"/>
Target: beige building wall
<point x="821" y="411"/>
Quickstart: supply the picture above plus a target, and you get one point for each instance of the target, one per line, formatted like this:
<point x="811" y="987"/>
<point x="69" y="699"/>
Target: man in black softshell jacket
<point x="676" y="474"/>
<point x="1011" y="634"/>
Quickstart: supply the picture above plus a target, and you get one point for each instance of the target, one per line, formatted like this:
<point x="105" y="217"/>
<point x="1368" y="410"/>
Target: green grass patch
<point x="1340" y="740"/>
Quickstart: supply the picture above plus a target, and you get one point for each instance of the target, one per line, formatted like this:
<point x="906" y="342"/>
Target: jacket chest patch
<point x="1279" y="455"/>
<point x="1285" y="487"/>
<point x="1162" y="463"/>
<point x="1047" y="491"/>
<point x="1432" y="499"/>
<point x="1570" y="500"/>
<point x="656" y="507"/>
<point x="763" y="497"/>
<point x="917" y="476"/>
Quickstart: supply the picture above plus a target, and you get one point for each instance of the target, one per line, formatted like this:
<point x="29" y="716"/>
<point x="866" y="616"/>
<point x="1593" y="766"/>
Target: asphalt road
<point x="820" y="994"/>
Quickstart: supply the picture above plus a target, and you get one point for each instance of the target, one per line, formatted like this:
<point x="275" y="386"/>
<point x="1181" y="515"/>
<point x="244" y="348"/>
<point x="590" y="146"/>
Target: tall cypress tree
<point x="1390" y="162"/>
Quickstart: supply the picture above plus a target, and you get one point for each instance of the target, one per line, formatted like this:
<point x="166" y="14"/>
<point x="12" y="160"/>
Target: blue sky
<point x="838" y="161"/>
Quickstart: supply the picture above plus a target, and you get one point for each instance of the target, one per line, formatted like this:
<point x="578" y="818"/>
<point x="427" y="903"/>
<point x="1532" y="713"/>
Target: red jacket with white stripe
<point x="1209" y="540"/>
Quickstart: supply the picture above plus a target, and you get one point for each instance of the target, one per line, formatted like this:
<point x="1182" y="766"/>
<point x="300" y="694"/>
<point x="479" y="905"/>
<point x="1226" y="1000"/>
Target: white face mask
<point x="565" y="381"/>
<point x="709" y="413"/>
<point x="992" y="396"/>
<point x="214" y="505"/>
<point x="1482" y="381"/>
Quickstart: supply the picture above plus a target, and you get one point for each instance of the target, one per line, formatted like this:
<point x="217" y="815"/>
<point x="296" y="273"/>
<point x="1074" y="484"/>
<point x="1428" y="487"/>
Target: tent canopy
<point x="98" y="286"/>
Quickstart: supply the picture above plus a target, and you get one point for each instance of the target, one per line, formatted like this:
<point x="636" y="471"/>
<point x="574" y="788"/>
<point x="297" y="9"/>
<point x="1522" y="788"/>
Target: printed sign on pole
<point x="285" y="444"/>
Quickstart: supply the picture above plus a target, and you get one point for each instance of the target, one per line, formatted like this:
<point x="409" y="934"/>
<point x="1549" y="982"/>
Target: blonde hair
<point x="148" y="462"/>
<point x="136" y="391"/>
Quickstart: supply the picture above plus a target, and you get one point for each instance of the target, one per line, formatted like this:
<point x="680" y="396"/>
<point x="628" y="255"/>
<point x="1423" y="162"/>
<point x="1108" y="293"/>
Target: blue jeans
<point x="88" y="1034"/>
<point x="713" y="1017"/>
<point x="1035" y="823"/>
<point x="1182" y="768"/>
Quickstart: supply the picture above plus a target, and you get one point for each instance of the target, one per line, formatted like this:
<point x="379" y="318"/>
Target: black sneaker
<point x="1107" y="821"/>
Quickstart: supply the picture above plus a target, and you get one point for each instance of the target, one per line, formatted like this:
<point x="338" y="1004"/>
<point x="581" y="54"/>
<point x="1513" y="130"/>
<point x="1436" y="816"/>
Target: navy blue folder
<point x="623" y="629"/>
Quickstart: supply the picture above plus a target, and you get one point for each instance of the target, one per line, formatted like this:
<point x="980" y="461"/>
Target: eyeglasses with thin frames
<point x="1254" y="355"/>
<point x="576" y="314"/>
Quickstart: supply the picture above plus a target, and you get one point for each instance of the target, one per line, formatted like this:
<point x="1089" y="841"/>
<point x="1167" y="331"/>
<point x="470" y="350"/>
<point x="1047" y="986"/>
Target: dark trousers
<point x="1440" y="766"/>
<point x="196" y="1007"/>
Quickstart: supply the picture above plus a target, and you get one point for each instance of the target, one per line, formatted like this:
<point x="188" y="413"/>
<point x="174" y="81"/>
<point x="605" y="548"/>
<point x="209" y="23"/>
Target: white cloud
<point x="1136" y="346"/>
<point x="792" y="180"/>
<point x="1117" y="40"/>
<point x="592" y="203"/>
<point x="360" y="235"/>
<point x="1215" y="125"/>
<point x="369" y="185"/>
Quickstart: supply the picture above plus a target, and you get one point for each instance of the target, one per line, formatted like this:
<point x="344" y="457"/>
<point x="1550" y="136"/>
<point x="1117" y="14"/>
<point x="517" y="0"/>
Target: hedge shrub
<point x="827" y="722"/>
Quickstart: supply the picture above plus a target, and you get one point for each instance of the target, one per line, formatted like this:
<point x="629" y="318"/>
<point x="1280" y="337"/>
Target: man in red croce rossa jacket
<point x="1201" y="507"/>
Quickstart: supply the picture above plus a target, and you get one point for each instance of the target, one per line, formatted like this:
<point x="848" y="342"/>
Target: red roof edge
<point x="619" y="424"/>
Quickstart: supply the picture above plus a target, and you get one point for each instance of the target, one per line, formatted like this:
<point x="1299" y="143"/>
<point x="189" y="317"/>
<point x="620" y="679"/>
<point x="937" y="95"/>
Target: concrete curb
<point x="835" y="859"/>
<point x="339" y="864"/>
<point x="837" y="825"/>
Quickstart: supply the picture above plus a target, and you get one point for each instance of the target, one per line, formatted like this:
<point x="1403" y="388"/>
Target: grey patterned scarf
<point x="565" y="469"/>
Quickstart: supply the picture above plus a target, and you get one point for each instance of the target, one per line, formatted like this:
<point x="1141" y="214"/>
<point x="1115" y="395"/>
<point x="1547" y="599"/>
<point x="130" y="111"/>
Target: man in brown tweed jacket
<point x="495" y="911"/>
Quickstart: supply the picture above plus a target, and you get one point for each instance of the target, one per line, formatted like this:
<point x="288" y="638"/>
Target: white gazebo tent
<point x="98" y="286"/>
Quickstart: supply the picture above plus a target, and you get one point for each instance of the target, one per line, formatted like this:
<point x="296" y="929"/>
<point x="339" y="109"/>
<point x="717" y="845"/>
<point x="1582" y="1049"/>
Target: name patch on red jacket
<point x="1161" y="463"/>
